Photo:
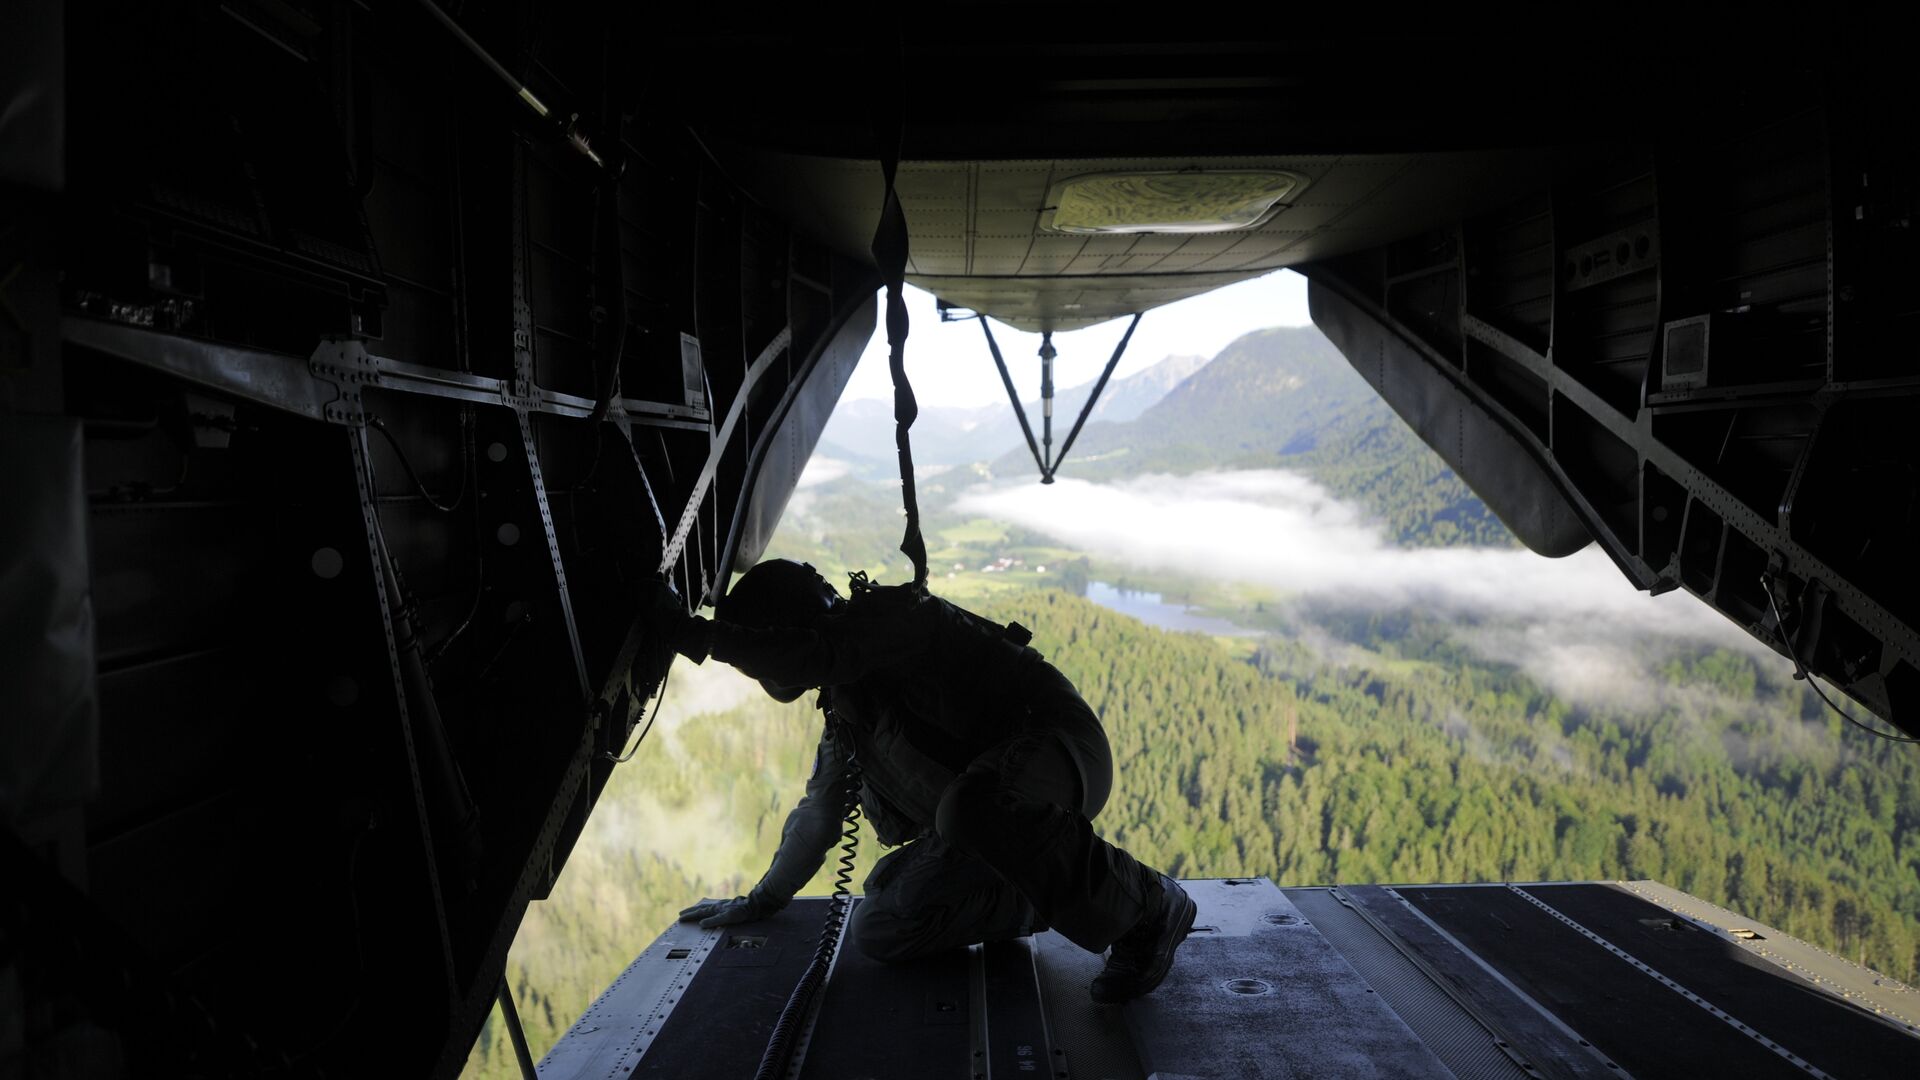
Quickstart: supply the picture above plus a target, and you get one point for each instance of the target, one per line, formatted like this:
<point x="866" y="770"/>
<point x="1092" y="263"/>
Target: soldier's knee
<point x="967" y="811"/>
<point x="880" y="937"/>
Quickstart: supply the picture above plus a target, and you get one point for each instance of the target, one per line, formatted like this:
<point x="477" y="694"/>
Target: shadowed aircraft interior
<point x="364" y="361"/>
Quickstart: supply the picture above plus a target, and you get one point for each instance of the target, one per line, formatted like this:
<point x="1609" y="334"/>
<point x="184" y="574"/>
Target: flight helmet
<point x="778" y="593"/>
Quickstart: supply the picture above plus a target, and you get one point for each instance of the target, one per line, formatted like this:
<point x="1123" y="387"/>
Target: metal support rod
<point x="1094" y="398"/>
<point x="1046" y="406"/>
<point x="480" y="53"/>
<point x="1013" y="396"/>
<point x="287" y="383"/>
<point x="516" y="1033"/>
<point x="722" y="439"/>
<point x="531" y="447"/>
<point x="379" y="563"/>
<point x="567" y="130"/>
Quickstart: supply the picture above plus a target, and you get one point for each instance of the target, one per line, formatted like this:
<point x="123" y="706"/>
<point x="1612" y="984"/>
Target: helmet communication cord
<point x="775" y="1060"/>
<point x="890" y="252"/>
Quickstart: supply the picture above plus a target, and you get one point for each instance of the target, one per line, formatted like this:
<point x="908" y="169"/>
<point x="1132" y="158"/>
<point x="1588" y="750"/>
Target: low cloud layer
<point x="1576" y="625"/>
<point x="821" y="469"/>
<point x="696" y="690"/>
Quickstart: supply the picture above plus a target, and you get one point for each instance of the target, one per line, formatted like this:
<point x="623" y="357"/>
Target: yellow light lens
<point x="1169" y="202"/>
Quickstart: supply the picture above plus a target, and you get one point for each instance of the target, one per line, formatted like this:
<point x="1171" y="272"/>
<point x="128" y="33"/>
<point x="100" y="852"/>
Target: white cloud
<point x="696" y="690"/>
<point x="821" y="469"/>
<point x="1579" y="663"/>
<point x="1576" y="625"/>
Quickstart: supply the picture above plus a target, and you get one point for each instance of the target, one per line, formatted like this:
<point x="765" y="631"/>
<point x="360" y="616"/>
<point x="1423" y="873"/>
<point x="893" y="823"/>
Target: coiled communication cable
<point x="793" y="1018"/>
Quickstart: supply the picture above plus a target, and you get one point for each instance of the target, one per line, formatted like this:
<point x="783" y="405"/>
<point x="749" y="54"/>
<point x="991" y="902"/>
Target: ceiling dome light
<point x="1169" y="202"/>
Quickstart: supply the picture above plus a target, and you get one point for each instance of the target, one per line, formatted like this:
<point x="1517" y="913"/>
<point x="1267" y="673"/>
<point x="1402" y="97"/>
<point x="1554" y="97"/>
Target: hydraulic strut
<point x="1048" y="463"/>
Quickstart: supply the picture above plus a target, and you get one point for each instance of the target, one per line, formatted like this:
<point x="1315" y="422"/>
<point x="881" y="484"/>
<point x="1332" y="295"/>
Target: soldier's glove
<point x="750" y="908"/>
<point x="688" y="635"/>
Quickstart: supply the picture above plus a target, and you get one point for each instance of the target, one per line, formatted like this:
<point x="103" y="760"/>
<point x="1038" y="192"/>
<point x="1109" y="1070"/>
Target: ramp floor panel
<point x="1259" y="993"/>
<point x="720" y="1025"/>
<point x="1550" y="981"/>
<point x="1095" y="1039"/>
<point x="875" y="1016"/>
<point x="1470" y="1050"/>
<point x="1541" y="1043"/>
<point x="1838" y="976"/>
<point x="1787" y="1009"/>
<point x="1649" y="1029"/>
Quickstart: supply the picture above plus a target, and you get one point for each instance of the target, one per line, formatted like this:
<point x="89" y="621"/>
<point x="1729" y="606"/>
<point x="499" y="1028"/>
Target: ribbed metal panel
<point x="1454" y="1036"/>
<point x="1095" y="1037"/>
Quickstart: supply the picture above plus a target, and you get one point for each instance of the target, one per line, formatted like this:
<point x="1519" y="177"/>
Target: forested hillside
<point x="1350" y="742"/>
<point x="697" y="812"/>
<point x="1738" y="790"/>
<point x="1285" y="398"/>
<point x="862" y="430"/>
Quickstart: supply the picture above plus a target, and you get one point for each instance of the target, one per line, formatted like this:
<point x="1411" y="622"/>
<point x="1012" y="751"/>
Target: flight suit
<point x="974" y="751"/>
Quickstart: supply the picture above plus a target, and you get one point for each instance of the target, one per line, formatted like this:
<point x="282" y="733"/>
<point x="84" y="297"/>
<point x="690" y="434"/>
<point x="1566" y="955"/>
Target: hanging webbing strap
<point x="890" y="252"/>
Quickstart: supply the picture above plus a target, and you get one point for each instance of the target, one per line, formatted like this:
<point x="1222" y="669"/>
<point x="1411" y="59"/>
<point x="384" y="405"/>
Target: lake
<point x="1150" y="608"/>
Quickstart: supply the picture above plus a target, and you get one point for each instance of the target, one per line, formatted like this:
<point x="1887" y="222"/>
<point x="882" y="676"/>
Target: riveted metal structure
<point x="403" y="292"/>
<point x="1679" y="350"/>
<point x="363" y="361"/>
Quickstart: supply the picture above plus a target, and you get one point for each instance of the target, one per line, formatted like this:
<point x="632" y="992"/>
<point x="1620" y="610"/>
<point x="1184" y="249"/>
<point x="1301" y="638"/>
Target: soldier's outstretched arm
<point x="811" y="829"/>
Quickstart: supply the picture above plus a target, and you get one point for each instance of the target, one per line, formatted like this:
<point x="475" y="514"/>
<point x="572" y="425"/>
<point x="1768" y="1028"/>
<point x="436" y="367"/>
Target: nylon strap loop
<point x="890" y="252"/>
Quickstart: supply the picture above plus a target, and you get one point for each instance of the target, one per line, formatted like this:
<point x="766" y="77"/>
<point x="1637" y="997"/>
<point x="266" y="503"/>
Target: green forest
<point x="1337" y="746"/>
<point x="1400" y="771"/>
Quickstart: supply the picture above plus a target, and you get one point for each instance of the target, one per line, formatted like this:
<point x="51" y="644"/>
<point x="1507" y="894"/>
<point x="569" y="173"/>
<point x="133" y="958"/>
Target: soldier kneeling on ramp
<point x="972" y="750"/>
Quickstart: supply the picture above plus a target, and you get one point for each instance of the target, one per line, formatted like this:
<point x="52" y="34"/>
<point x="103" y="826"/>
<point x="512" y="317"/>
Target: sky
<point x="948" y="363"/>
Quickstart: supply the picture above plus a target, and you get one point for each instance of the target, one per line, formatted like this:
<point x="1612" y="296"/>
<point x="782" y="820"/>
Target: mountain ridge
<point x="862" y="429"/>
<point x="1285" y="398"/>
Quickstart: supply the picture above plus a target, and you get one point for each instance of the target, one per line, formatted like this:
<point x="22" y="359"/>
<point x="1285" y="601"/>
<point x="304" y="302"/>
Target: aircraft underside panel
<point x="366" y="407"/>
<point x="1701" y="355"/>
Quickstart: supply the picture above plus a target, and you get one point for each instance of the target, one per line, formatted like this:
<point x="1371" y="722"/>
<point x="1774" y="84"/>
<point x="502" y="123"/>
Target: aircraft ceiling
<point x="982" y="239"/>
